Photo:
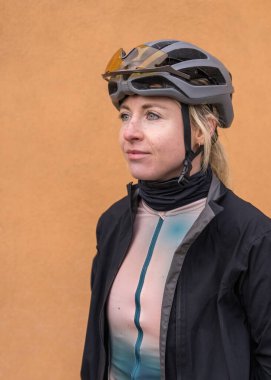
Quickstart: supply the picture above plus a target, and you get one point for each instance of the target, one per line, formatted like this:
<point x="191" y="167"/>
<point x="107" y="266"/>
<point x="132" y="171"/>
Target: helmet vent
<point x="204" y="76"/>
<point x="153" y="82"/>
<point x="112" y="87"/>
<point x="163" y="44"/>
<point x="180" y="55"/>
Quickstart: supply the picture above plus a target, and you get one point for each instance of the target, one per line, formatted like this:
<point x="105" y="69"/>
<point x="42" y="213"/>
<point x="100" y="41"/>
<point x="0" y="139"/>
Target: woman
<point x="181" y="283"/>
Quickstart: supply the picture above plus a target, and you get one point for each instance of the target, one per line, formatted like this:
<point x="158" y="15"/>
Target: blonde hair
<point x="207" y="120"/>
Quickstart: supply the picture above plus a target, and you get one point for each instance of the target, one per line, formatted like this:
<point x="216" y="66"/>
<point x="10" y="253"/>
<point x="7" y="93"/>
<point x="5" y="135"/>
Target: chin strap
<point x="189" y="153"/>
<point x="187" y="166"/>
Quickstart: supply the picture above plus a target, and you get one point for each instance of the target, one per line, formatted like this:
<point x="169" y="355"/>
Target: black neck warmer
<point x="167" y="195"/>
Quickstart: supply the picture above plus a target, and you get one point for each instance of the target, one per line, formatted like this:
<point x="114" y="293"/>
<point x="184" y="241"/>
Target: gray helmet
<point x="175" y="69"/>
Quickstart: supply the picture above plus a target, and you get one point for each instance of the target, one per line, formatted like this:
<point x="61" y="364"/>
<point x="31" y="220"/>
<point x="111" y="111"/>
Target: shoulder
<point x="119" y="213"/>
<point x="116" y="209"/>
<point x="242" y="208"/>
<point x="122" y="207"/>
<point x="242" y="216"/>
<point x="115" y="223"/>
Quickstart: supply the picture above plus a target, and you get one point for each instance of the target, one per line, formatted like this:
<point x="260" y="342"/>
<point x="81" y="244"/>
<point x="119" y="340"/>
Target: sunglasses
<point x="143" y="59"/>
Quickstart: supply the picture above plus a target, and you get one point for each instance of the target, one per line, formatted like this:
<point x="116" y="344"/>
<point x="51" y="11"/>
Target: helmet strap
<point x="189" y="153"/>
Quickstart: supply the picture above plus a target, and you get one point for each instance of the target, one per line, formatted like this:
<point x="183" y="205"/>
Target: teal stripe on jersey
<point x="137" y="299"/>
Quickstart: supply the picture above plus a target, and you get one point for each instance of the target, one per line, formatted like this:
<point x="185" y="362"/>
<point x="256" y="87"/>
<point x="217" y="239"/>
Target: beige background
<point x="59" y="161"/>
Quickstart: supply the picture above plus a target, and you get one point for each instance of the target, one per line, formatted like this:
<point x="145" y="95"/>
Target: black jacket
<point x="216" y="312"/>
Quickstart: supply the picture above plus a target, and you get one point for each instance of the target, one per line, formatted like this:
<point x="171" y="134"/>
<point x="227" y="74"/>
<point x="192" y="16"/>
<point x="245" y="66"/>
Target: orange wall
<point x="59" y="160"/>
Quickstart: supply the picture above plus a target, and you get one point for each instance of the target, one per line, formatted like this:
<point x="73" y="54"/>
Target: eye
<point x="152" y="116"/>
<point x="124" y="116"/>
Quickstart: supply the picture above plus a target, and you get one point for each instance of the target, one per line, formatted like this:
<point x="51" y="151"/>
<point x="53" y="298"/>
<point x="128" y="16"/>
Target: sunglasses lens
<point x="140" y="58"/>
<point x="115" y="62"/>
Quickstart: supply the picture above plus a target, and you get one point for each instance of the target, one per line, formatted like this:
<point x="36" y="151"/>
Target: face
<point x="151" y="137"/>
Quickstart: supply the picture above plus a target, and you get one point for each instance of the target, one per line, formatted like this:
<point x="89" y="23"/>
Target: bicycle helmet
<point x="177" y="70"/>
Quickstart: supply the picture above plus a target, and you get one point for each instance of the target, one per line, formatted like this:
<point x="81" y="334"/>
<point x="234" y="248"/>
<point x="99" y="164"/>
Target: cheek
<point x="171" y="145"/>
<point x="121" y="139"/>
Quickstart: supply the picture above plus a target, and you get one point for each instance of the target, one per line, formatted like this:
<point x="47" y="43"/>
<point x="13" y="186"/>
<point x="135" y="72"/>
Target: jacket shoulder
<point x="237" y="211"/>
<point x="115" y="211"/>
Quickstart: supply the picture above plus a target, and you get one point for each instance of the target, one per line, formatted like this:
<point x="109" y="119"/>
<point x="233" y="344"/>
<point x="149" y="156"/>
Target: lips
<point x="135" y="154"/>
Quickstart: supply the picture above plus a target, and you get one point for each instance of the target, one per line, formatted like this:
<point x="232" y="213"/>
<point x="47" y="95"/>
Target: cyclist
<point x="181" y="283"/>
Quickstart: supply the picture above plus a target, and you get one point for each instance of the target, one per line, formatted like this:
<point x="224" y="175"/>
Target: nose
<point x="132" y="130"/>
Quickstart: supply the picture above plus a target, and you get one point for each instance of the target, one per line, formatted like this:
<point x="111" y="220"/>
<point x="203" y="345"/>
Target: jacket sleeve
<point x="257" y="302"/>
<point x="94" y="267"/>
<point x="86" y="370"/>
<point x="96" y="257"/>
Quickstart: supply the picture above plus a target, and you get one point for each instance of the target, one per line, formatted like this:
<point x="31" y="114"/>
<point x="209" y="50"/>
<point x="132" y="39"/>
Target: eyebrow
<point x="145" y="106"/>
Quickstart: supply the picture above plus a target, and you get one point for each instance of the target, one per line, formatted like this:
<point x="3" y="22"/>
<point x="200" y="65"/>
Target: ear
<point x="212" y="125"/>
<point x="197" y="136"/>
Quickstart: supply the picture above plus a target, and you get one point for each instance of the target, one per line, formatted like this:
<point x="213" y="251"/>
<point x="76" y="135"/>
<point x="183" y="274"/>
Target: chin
<point x="148" y="177"/>
<point x="144" y="177"/>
